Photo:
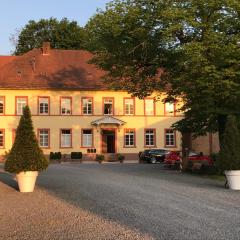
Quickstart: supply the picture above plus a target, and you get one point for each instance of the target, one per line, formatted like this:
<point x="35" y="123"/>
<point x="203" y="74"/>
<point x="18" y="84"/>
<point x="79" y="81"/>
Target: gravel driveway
<point x="114" y="201"/>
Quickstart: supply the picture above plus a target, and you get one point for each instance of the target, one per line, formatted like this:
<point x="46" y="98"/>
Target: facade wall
<point x="54" y="122"/>
<point x="207" y="144"/>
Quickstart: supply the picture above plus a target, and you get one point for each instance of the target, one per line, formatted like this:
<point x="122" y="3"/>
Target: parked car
<point x="172" y="158"/>
<point x="199" y="157"/>
<point x="153" y="155"/>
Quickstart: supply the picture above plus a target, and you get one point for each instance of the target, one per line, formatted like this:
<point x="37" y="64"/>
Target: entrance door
<point x="108" y="141"/>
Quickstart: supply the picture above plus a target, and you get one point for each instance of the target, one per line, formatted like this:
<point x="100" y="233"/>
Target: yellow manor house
<point x="73" y="111"/>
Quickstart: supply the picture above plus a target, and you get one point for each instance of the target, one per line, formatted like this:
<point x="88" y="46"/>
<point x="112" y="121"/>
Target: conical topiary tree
<point x="229" y="157"/>
<point x="25" y="155"/>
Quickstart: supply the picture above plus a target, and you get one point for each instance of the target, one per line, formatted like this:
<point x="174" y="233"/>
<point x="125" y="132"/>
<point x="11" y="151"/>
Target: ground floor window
<point x="170" y="138"/>
<point x="150" y="138"/>
<point x="2" y="138"/>
<point x="43" y="138"/>
<point x="129" y="138"/>
<point x="87" y="138"/>
<point x="66" y="138"/>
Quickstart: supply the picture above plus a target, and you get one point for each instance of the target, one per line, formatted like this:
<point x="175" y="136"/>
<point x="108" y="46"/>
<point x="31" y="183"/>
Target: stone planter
<point x="26" y="181"/>
<point x="233" y="178"/>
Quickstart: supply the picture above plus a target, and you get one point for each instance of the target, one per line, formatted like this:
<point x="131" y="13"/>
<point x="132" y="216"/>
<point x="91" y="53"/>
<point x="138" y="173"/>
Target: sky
<point x="16" y="13"/>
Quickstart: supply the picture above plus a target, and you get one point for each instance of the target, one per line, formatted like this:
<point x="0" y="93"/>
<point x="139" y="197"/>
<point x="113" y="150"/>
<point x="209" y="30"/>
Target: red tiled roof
<point x="61" y="69"/>
<point x="6" y="59"/>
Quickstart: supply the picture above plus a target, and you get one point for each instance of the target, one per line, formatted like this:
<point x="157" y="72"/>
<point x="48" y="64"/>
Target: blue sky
<point x="16" y="13"/>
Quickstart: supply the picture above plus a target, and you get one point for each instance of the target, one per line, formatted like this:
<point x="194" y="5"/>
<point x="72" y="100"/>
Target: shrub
<point x="99" y="158"/>
<point x="55" y="155"/>
<point x="229" y="155"/>
<point x="76" y="155"/>
<point x="25" y="155"/>
<point x="120" y="157"/>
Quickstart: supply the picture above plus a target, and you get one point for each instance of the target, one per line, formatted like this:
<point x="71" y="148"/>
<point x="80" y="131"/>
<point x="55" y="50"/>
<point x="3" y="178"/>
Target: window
<point x="169" y="108"/>
<point x="87" y="106"/>
<point x="2" y="105"/>
<point x="108" y="106"/>
<point x="43" y="105"/>
<point x="43" y="138"/>
<point x="170" y="138"/>
<point x="66" y="138"/>
<point x="66" y="105"/>
<point x="87" y="138"/>
<point x="21" y="103"/>
<point x="129" y="106"/>
<point x="149" y="137"/>
<point x="2" y="138"/>
<point x="129" y="138"/>
<point x="149" y="107"/>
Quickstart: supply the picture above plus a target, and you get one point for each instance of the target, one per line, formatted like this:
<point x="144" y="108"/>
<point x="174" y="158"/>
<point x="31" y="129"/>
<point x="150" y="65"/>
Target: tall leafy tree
<point x="187" y="48"/>
<point x="63" y="34"/>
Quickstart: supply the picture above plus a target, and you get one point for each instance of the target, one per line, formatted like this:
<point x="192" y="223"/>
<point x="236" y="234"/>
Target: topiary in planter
<point x="25" y="155"/>
<point x="229" y="156"/>
<point x="100" y="158"/>
<point x="120" y="158"/>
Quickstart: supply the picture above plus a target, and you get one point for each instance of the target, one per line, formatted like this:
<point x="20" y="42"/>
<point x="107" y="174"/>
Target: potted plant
<point x="229" y="156"/>
<point x="99" y="158"/>
<point x="120" y="158"/>
<point x="26" y="158"/>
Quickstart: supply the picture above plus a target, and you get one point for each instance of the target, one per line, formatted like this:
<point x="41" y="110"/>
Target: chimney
<point x="46" y="48"/>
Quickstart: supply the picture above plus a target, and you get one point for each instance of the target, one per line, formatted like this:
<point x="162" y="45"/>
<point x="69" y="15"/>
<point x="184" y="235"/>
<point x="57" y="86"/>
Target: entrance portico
<point x="108" y="127"/>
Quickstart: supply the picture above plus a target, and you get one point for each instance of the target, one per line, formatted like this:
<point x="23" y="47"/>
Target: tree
<point x="25" y="155"/>
<point x="62" y="35"/>
<point x="229" y="157"/>
<point x="187" y="48"/>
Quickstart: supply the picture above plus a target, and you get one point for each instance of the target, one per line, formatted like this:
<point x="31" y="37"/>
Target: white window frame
<point x="87" y="138"/>
<point x="108" y="101"/>
<point x="87" y="106"/>
<point x="46" y="105"/>
<point x="43" y="138"/>
<point x="21" y="102"/>
<point x="129" y="138"/>
<point x="149" y="107"/>
<point x="2" y="105"/>
<point x="66" y="107"/>
<point x="2" y="138"/>
<point x="169" y="108"/>
<point x="65" y="138"/>
<point x="129" y="106"/>
<point x="150" y="136"/>
<point x="170" y="138"/>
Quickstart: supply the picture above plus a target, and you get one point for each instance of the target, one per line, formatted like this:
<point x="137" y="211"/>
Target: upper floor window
<point x="66" y="106"/>
<point x="87" y="106"/>
<point x="170" y="138"/>
<point x="87" y="138"/>
<point x="43" y="105"/>
<point x="150" y="138"/>
<point x="128" y="106"/>
<point x="149" y="106"/>
<point x="66" y="138"/>
<point x="21" y="102"/>
<point x="2" y="133"/>
<point x="108" y="106"/>
<point x="2" y="105"/>
<point x="129" y="138"/>
<point x="169" y="108"/>
<point x="43" y="138"/>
